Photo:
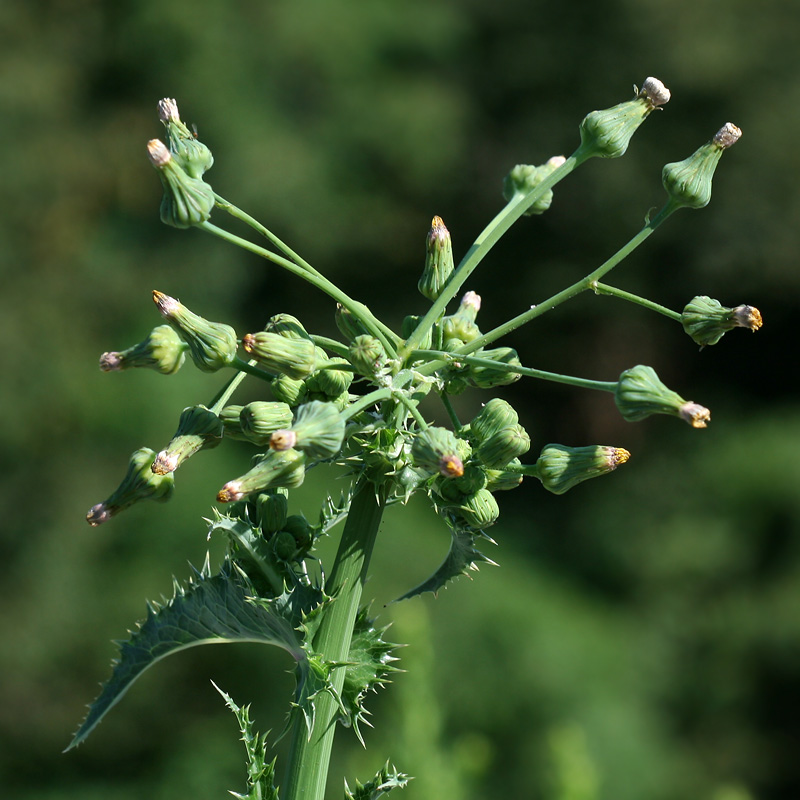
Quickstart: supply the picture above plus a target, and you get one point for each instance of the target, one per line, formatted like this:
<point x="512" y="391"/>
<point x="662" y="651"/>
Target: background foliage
<point x="641" y="638"/>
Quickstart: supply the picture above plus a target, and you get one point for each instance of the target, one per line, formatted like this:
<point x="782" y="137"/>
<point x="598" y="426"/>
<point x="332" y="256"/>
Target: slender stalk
<point x="309" y="755"/>
<point x="385" y="335"/>
<point x="487" y="239"/>
<point x="612" y="291"/>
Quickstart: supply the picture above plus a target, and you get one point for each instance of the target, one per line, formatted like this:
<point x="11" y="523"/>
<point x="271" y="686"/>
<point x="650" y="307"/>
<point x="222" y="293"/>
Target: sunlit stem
<point x="443" y="358"/>
<point x="566" y="294"/>
<point x="612" y="291"/>
<point x="224" y="394"/>
<point x="490" y="235"/>
<point x="380" y="331"/>
<point x="250" y="368"/>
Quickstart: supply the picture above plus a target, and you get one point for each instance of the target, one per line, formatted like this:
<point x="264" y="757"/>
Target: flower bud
<point x="409" y="325"/>
<point x="162" y="350"/>
<point x="295" y="357"/>
<point x="231" y="424"/>
<point x="348" y="324"/>
<point x="461" y="325"/>
<point x="190" y="153"/>
<point x="139" y="483"/>
<point x="318" y="431"/>
<point x="559" y="467"/>
<point x="283" y="545"/>
<point x="607" y="133"/>
<point x="271" y="509"/>
<point x="489" y="377"/>
<point x="367" y="355"/>
<point x="275" y="468"/>
<point x="436" y="450"/>
<point x="300" y="529"/>
<point x="524" y="178"/>
<point x="187" y="201"/>
<point x="503" y="480"/>
<point x="287" y="326"/>
<point x="688" y="182"/>
<point x="438" y="261"/>
<point x="212" y="345"/>
<point x="198" y="429"/>
<point x="288" y="390"/>
<point x="640" y="393"/>
<point x="260" y="419"/>
<point x="496" y="415"/>
<point x="497" y="450"/>
<point x="330" y="381"/>
<point x="706" y="320"/>
<point x="479" y="510"/>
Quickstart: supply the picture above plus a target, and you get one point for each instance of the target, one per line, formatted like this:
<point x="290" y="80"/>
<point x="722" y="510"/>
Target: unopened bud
<point x="436" y="450"/>
<point x="367" y="355"/>
<point x="163" y="350"/>
<point x="318" y="431"/>
<point x="288" y="390"/>
<point x="231" y="424"/>
<point x="295" y="357"/>
<point x="139" y="483"/>
<point x="497" y="450"/>
<point x="461" y="325"/>
<point x="285" y="468"/>
<point x="261" y="418"/>
<point x="640" y="393"/>
<point x="348" y="324"/>
<point x="438" y="260"/>
<point x="559" y="467"/>
<point x="212" y="345"/>
<point x="198" y="429"/>
<point x="192" y="155"/>
<point x="706" y="320"/>
<point x="607" y="133"/>
<point x="271" y="509"/>
<point x="524" y="178"/>
<point x="485" y="377"/>
<point x="187" y="201"/>
<point x="409" y="325"/>
<point x="478" y="510"/>
<point x="496" y="415"/>
<point x="287" y="326"/>
<point x="330" y="381"/>
<point x="688" y="182"/>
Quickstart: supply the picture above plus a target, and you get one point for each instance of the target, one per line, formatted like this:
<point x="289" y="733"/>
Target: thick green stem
<point x="309" y="755"/>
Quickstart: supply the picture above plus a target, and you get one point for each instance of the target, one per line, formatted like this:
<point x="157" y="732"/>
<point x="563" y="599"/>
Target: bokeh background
<point x="641" y="637"/>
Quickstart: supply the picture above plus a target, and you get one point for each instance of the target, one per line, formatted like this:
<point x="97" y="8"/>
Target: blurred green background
<point x="641" y="638"/>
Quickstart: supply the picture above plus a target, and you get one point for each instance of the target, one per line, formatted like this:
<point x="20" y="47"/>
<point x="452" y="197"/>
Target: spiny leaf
<point x="386" y="780"/>
<point x="209" y="610"/>
<point x="260" y="774"/>
<point x="462" y="557"/>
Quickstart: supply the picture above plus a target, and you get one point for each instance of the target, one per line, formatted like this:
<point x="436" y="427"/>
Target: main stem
<point x="309" y="755"/>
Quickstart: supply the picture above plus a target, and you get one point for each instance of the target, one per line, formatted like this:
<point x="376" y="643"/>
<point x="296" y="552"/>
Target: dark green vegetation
<point x="644" y="629"/>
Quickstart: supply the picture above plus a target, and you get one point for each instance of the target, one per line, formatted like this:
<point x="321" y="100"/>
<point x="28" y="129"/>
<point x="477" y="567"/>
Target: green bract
<point x="260" y="419"/>
<point x="559" y="467"/>
<point x="707" y="320"/>
<point x="163" y="350"/>
<point x="436" y="450"/>
<point x="438" y="260"/>
<point x="295" y="357"/>
<point x="198" y="429"/>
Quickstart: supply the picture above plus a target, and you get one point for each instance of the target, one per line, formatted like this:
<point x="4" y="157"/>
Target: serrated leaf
<point x="386" y="780"/>
<point x="209" y="610"/>
<point x="462" y="557"/>
<point x="260" y="774"/>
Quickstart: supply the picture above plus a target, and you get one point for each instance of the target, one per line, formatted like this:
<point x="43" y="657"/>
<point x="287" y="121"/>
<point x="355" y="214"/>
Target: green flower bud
<point x="295" y="357"/>
<point x="409" y="325"/>
<point x="688" y="182"/>
<point x="231" y="424"/>
<point x="367" y="355"/>
<point x="489" y="377"/>
<point x="271" y="508"/>
<point x="496" y="415"/>
<point x="607" y="133"/>
<point x="330" y="381"/>
<point x="287" y="326"/>
<point x="437" y="451"/>
<point x="438" y="260"/>
<point x="192" y="155"/>
<point x="260" y="419"/>
<point x="198" y="429"/>
<point x="212" y="345"/>
<point x="318" y="431"/>
<point x="497" y="450"/>
<point x="288" y="390"/>
<point x="162" y="350"/>
<point x="348" y="324"/>
<point x="283" y="545"/>
<point x="503" y="480"/>
<point x="187" y="201"/>
<point x="461" y="325"/>
<point x="275" y="468"/>
<point x="300" y="529"/>
<point x="479" y="510"/>
<point x="707" y="320"/>
<point x="559" y="467"/>
<point x="640" y="393"/>
<point x="455" y="489"/>
<point x="139" y="483"/>
<point x="524" y="178"/>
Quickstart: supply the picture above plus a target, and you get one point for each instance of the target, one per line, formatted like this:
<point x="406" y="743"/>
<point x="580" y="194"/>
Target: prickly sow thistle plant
<point x="355" y="402"/>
